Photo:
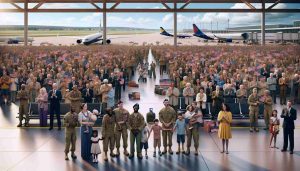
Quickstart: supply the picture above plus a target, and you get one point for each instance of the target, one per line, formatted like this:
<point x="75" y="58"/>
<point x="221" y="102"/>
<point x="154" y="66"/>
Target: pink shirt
<point x="156" y="131"/>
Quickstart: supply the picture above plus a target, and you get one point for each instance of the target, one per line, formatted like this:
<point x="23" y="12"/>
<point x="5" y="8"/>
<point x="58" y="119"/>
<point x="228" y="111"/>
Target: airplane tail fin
<point x="197" y="30"/>
<point x="163" y="31"/>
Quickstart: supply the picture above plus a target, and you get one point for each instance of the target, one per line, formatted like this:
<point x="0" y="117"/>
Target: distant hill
<point x="38" y="27"/>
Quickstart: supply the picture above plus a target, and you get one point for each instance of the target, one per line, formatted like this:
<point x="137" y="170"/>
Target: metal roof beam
<point x="115" y="5"/>
<point x="38" y="5"/>
<point x="15" y="5"/>
<point x="273" y="5"/>
<point x="248" y="4"/>
<point x="186" y="4"/>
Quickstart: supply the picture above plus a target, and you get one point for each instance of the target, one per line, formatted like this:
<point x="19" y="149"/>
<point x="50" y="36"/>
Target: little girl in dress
<point x="274" y="128"/>
<point x="95" y="148"/>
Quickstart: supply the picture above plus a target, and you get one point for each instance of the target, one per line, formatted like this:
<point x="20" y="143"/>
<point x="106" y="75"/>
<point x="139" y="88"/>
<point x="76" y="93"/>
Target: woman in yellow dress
<point x="224" y="119"/>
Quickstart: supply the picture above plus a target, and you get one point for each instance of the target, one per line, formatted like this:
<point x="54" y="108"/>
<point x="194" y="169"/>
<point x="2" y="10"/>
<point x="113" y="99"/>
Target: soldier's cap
<point x="120" y="101"/>
<point x="136" y="105"/>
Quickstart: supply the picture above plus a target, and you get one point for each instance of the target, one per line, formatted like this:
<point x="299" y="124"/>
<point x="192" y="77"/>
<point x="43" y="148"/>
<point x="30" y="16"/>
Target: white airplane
<point x="14" y="40"/>
<point x="92" y="38"/>
<point x="220" y="37"/>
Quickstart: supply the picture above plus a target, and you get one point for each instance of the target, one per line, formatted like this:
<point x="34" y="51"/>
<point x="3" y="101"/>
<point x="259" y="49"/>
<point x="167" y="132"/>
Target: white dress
<point x="95" y="148"/>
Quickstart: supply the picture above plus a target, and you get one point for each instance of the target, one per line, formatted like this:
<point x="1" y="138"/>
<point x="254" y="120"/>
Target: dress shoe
<point x="59" y="128"/>
<point x="66" y="157"/>
<point x="50" y="129"/>
<point x="291" y="152"/>
<point x="283" y="150"/>
<point x="73" y="156"/>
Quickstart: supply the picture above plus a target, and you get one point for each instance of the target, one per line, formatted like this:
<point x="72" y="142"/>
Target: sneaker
<point x="154" y="154"/>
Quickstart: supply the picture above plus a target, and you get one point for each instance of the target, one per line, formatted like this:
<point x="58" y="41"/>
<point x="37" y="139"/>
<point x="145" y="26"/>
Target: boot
<point x="183" y="150"/>
<point x="130" y="156"/>
<point x="187" y="151"/>
<point x="140" y="156"/>
<point x="165" y="150"/>
<point x="73" y="155"/>
<point x="178" y="151"/>
<point x="196" y="152"/>
<point x="105" y="156"/>
<point x="26" y="124"/>
<point x="170" y="150"/>
<point x="118" y="152"/>
<point x="20" y="124"/>
<point x="112" y="154"/>
<point x="66" y="156"/>
<point x="126" y="152"/>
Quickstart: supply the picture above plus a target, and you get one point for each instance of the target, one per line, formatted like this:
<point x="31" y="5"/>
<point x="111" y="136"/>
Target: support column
<point x="26" y="23"/>
<point x="263" y="23"/>
<point x="104" y="22"/>
<point x="175" y="24"/>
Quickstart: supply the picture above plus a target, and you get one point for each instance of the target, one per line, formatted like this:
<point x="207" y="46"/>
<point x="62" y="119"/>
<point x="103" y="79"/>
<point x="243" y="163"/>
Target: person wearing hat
<point x="122" y="116"/>
<point x="71" y="122"/>
<point x="268" y="103"/>
<point x="23" y="96"/>
<point x="104" y="89"/>
<point x="75" y="98"/>
<point x="136" y="124"/>
<point x="167" y="116"/>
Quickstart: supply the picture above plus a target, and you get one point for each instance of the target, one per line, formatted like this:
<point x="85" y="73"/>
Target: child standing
<point x="274" y="128"/>
<point x="180" y="127"/>
<point x="144" y="141"/>
<point x="156" y="136"/>
<point x="95" y="148"/>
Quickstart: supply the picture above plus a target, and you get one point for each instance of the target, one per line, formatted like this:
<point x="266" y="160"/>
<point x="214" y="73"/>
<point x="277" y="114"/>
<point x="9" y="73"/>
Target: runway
<point x="35" y="149"/>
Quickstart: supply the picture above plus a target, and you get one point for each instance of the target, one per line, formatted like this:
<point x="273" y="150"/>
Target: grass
<point x="51" y="33"/>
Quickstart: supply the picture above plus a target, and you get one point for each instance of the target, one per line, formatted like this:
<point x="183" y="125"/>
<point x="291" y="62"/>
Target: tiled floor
<point x="37" y="149"/>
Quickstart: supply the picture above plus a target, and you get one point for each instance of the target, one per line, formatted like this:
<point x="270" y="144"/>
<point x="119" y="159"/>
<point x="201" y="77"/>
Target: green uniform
<point x="167" y="115"/>
<point x="23" y="108"/>
<point x="71" y="121"/>
<point x="75" y="98"/>
<point x="122" y="115"/>
<point x="136" y="124"/>
<point x="108" y="126"/>
<point x="268" y="103"/>
<point x="253" y="111"/>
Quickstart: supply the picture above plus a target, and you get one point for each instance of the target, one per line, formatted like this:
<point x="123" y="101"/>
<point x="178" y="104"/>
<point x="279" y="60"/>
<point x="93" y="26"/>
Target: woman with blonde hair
<point x="42" y="100"/>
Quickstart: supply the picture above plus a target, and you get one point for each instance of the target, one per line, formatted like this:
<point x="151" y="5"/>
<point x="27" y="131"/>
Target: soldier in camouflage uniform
<point x="75" y="98"/>
<point x="70" y="121"/>
<point x="253" y="102"/>
<point x="167" y="116"/>
<point x="122" y="116"/>
<point x="136" y="124"/>
<point x="108" y="126"/>
<point x="268" y="103"/>
<point x="23" y="96"/>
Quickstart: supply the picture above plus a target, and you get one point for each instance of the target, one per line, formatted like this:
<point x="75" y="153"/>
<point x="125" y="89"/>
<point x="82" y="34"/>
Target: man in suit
<point x="54" y="98"/>
<point x="88" y="94"/>
<point x="72" y="83"/>
<point x="289" y="114"/>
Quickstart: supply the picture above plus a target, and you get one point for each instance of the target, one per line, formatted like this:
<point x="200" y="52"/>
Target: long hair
<point x="226" y="106"/>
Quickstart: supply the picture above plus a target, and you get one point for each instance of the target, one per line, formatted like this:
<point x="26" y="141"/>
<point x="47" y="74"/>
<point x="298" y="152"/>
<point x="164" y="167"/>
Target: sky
<point x="150" y="20"/>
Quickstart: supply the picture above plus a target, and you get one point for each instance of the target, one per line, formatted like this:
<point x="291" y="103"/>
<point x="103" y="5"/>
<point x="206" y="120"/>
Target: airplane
<point x="220" y="37"/>
<point x="92" y="38"/>
<point x="14" y="40"/>
<point x="180" y="36"/>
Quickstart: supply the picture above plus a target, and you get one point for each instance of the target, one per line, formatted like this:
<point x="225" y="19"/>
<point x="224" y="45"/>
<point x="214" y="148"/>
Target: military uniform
<point x="268" y="103"/>
<point x="241" y="95"/>
<point x="70" y="121"/>
<point x="253" y="111"/>
<point x="122" y="115"/>
<point x="136" y="124"/>
<point x="167" y="115"/>
<point x="75" y="98"/>
<point x="23" y="108"/>
<point x="108" y="126"/>
<point x="282" y="88"/>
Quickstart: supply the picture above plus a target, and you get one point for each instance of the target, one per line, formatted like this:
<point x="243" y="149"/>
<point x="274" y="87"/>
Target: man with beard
<point x="167" y="116"/>
<point x="136" y="124"/>
<point x="108" y="126"/>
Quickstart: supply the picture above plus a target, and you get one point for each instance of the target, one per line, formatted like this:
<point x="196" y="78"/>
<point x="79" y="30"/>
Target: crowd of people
<point x="200" y="75"/>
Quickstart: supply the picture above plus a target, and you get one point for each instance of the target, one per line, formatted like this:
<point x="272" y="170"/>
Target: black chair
<point x="92" y="106"/>
<point x="261" y="111"/>
<point x="229" y="100"/>
<point x="245" y="109"/>
<point x="235" y="110"/>
<point x="64" y="108"/>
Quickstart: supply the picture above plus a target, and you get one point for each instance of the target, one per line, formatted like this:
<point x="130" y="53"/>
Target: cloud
<point x="11" y="19"/>
<point x="60" y="5"/>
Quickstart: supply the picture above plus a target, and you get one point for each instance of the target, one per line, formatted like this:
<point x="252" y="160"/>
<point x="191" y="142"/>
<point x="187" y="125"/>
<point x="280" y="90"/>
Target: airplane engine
<point x="108" y="41"/>
<point x="78" y="41"/>
<point x="245" y="36"/>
